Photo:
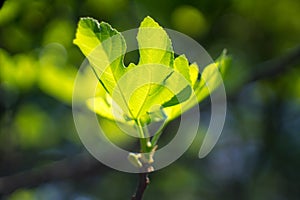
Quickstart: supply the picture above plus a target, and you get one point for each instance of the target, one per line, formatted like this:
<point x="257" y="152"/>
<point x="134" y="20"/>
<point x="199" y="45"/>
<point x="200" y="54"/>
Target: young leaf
<point x="155" y="46"/>
<point x="105" y="48"/>
<point x="103" y="106"/>
<point x="140" y="88"/>
<point x="194" y="73"/>
<point x="181" y="65"/>
<point x="151" y="85"/>
<point x="209" y="76"/>
<point x="158" y="87"/>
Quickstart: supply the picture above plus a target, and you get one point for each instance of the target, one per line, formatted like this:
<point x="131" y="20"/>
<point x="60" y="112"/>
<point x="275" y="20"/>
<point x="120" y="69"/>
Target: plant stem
<point x="158" y="134"/>
<point x="155" y="138"/>
<point x="143" y="177"/>
<point x="143" y="139"/>
<point x="142" y="185"/>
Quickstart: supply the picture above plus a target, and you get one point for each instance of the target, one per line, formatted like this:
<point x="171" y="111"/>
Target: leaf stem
<point x="156" y="137"/>
<point x="143" y="139"/>
<point x="158" y="134"/>
<point x="143" y="177"/>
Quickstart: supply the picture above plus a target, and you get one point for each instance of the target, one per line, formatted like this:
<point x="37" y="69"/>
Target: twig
<point x="142" y="185"/>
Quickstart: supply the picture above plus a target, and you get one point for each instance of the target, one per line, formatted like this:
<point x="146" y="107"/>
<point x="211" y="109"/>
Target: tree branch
<point x="142" y="185"/>
<point x="269" y="69"/>
<point x="276" y="66"/>
<point x="77" y="166"/>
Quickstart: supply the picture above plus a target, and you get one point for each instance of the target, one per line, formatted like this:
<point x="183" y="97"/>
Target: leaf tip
<point x="149" y="22"/>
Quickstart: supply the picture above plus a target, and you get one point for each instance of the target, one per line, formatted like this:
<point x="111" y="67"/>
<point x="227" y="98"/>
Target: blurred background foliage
<point x="258" y="154"/>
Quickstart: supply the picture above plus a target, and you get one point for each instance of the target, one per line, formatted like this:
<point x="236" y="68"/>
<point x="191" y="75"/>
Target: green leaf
<point x="194" y="73"/>
<point x="152" y="85"/>
<point x="158" y="87"/>
<point x="105" y="48"/>
<point x="104" y="107"/>
<point x="139" y="89"/>
<point x="181" y="65"/>
<point x="210" y="75"/>
<point x="155" y="46"/>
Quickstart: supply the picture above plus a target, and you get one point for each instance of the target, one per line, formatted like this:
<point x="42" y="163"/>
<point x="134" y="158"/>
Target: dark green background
<point x="258" y="154"/>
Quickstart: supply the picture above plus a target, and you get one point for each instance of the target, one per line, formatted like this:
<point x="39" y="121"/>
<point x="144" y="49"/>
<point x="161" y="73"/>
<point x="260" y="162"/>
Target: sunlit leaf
<point x="140" y="88"/>
<point x="210" y="75"/>
<point x="155" y="46"/>
<point x="160" y="86"/>
<point x="104" y="47"/>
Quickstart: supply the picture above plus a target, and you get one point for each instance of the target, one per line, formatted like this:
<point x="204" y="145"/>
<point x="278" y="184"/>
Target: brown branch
<point x="269" y="69"/>
<point x="74" y="167"/>
<point x="276" y="66"/>
<point x="142" y="185"/>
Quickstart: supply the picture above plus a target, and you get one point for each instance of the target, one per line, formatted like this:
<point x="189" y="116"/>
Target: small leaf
<point x="134" y="159"/>
<point x="181" y="65"/>
<point x="156" y="113"/>
<point x="210" y="75"/>
<point x="194" y="73"/>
